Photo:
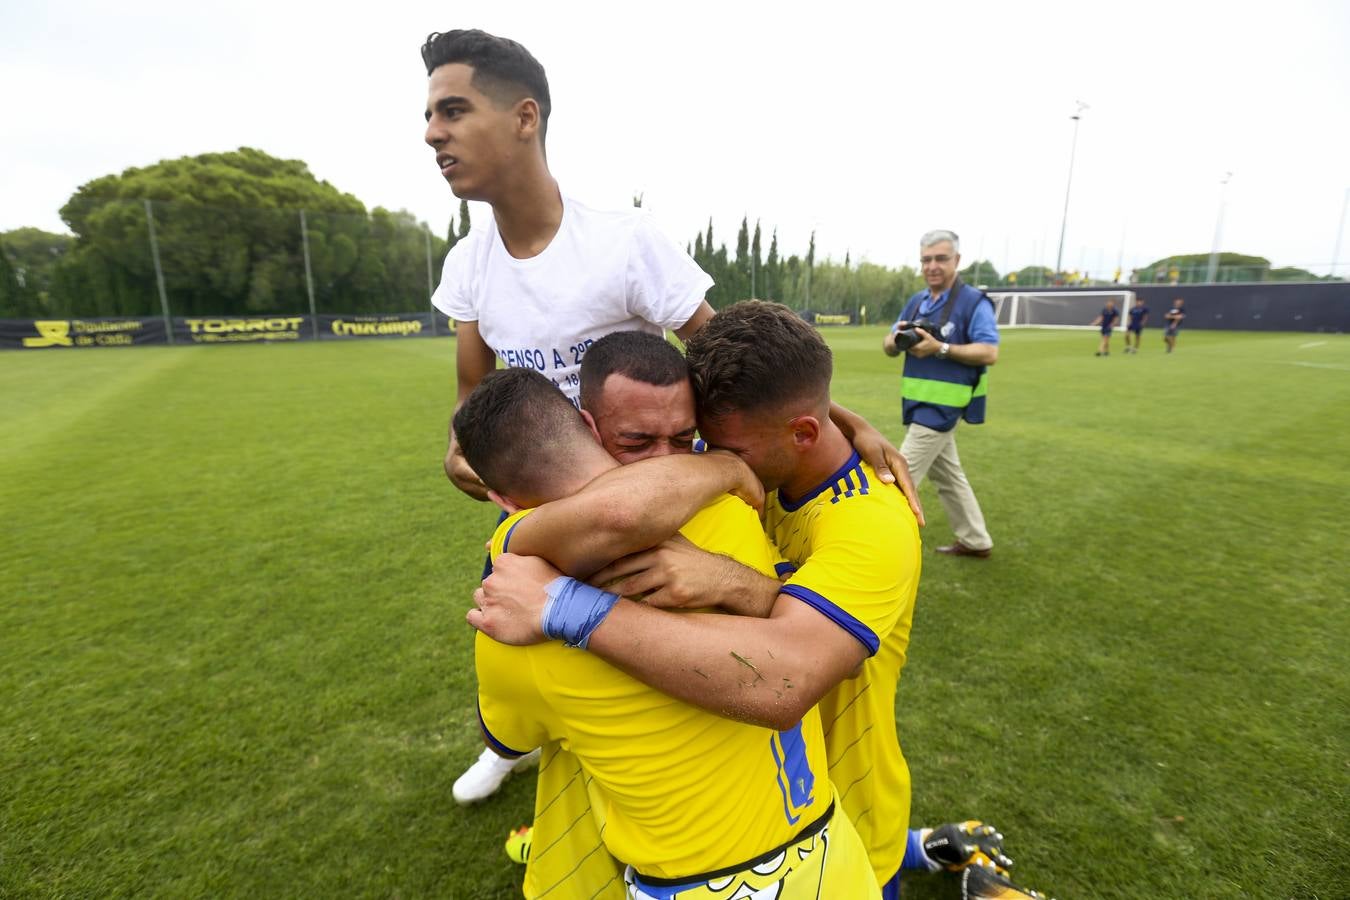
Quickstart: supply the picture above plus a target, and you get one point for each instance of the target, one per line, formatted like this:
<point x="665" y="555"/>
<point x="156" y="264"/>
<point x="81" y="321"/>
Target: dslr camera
<point x="906" y="337"/>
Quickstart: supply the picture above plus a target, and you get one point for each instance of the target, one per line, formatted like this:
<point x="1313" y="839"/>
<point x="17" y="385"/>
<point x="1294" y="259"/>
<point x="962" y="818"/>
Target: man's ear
<point x="590" y="423"/>
<point x="528" y="121"/>
<point x="507" y="505"/>
<point x="805" y="432"/>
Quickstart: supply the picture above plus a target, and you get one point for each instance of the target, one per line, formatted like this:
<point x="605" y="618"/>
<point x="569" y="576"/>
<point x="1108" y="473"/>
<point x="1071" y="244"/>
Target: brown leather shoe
<point x="956" y="548"/>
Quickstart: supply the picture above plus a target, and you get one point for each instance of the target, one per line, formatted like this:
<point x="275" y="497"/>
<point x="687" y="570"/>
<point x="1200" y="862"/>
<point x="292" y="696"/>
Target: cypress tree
<point x="772" y="278"/>
<point x="756" y="264"/>
<point x="463" y="218"/>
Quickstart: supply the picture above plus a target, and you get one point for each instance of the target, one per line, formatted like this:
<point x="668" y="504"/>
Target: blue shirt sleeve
<point x="983" y="328"/>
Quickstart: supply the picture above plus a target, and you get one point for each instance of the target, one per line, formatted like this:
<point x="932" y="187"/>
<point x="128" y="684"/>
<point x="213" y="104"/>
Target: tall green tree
<point x="15" y="302"/>
<point x="810" y="267"/>
<point x="756" y="263"/>
<point x="740" y="273"/>
<point x="463" y="219"/>
<point x="35" y="256"/>
<point x="232" y="230"/>
<point x="980" y="272"/>
<point x="772" y="277"/>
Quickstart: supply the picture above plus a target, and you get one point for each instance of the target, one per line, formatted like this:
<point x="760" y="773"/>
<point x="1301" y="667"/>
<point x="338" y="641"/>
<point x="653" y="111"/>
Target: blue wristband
<point x="573" y="610"/>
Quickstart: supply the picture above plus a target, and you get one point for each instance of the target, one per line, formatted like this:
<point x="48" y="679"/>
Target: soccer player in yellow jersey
<point x="696" y="804"/>
<point x="856" y="565"/>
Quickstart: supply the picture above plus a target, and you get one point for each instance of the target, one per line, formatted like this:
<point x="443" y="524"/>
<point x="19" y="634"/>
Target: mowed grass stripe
<point x="234" y="661"/>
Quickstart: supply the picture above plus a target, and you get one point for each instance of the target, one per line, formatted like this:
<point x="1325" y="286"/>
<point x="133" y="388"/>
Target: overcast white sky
<point x="869" y="122"/>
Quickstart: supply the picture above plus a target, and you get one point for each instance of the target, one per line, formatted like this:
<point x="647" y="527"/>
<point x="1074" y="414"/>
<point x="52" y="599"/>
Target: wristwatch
<point x="944" y="350"/>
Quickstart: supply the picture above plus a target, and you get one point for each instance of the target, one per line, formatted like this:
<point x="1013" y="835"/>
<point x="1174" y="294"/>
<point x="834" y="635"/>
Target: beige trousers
<point x="933" y="454"/>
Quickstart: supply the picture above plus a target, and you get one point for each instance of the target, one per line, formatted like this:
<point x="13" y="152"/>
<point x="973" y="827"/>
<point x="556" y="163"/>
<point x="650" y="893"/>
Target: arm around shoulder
<point x="630" y="508"/>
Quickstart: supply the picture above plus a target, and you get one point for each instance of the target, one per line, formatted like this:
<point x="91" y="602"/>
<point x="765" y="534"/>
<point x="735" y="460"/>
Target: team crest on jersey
<point x="765" y="881"/>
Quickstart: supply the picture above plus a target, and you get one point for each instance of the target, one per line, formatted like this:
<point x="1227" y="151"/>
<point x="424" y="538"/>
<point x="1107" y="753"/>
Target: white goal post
<point x="1056" y="309"/>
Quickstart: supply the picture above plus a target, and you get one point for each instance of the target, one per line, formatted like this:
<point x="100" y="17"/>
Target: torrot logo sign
<point x="51" y="334"/>
<point x="222" y="330"/>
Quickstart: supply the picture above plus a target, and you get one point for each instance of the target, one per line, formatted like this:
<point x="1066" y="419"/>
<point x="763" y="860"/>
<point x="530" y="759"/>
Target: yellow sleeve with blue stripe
<point x="857" y="547"/>
<point x="859" y="565"/>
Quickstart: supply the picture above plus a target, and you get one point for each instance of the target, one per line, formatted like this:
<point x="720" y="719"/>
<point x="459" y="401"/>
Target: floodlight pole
<point x="1073" y="149"/>
<point x="1120" y="257"/>
<point x="1218" y="230"/>
<point x="309" y="276"/>
<point x="159" y="273"/>
<point x="1340" y="230"/>
<point x="431" y="289"/>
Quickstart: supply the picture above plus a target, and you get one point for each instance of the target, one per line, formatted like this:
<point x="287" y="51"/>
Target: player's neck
<point x="567" y="478"/>
<point x="586" y="465"/>
<point x="528" y="212"/>
<point x="830" y="452"/>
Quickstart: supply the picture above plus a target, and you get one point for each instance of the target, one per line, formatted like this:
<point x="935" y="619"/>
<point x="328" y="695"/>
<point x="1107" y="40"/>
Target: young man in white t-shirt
<point x="548" y="276"/>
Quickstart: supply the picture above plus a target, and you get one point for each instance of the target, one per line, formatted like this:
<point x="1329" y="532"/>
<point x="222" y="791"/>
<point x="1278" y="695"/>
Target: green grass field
<point x="233" y="661"/>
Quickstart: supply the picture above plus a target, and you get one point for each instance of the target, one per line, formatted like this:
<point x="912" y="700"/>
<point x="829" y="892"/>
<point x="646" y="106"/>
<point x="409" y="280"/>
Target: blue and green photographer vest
<point x="940" y="392"/>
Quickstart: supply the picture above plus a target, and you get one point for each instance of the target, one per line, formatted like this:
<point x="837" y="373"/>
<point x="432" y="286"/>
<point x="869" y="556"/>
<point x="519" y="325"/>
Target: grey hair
<point x="940" y="235"/>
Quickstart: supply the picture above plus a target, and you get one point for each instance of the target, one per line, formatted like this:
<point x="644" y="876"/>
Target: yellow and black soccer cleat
<point x="518" y="844"/>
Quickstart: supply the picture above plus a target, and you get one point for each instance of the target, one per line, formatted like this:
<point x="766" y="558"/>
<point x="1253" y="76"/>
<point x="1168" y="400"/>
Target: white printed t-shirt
<point x="602" y="272"/>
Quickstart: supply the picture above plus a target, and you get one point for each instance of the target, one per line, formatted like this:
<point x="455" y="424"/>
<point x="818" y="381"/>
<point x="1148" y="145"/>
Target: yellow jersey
<point x="852" y="551"/>
<point x="683" y="791"/>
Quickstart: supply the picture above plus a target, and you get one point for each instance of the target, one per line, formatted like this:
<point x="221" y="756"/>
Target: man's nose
<point x="435" y="134"/>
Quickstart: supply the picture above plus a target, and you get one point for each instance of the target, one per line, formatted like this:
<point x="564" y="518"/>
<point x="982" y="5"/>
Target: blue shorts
<point x="1136" y="329"/>
<point x="1106" y="331"/>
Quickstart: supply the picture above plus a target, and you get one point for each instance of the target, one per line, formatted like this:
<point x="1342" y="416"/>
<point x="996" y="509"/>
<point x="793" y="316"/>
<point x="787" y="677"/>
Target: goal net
<point x="1056" y="309"/>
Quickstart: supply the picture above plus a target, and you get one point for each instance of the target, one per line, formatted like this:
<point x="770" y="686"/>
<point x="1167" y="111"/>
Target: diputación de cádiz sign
<point x="40" y="334"/>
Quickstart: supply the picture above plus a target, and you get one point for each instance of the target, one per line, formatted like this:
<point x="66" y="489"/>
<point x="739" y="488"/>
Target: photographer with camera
<point x="950" y="338"/>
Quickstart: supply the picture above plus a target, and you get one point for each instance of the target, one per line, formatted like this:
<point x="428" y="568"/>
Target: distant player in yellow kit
<point x="693" y="803"/>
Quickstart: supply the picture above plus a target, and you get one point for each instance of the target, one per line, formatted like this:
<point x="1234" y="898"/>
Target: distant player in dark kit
<point x="1174" y="317"/>
<point x="1138" y="318"/>
<point x="1107" y="318"/>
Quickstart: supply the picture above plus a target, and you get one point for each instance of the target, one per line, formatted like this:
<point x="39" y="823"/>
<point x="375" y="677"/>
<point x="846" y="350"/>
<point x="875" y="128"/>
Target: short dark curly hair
<point x="756" y="356"/>
<point x="502" y="69"/>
